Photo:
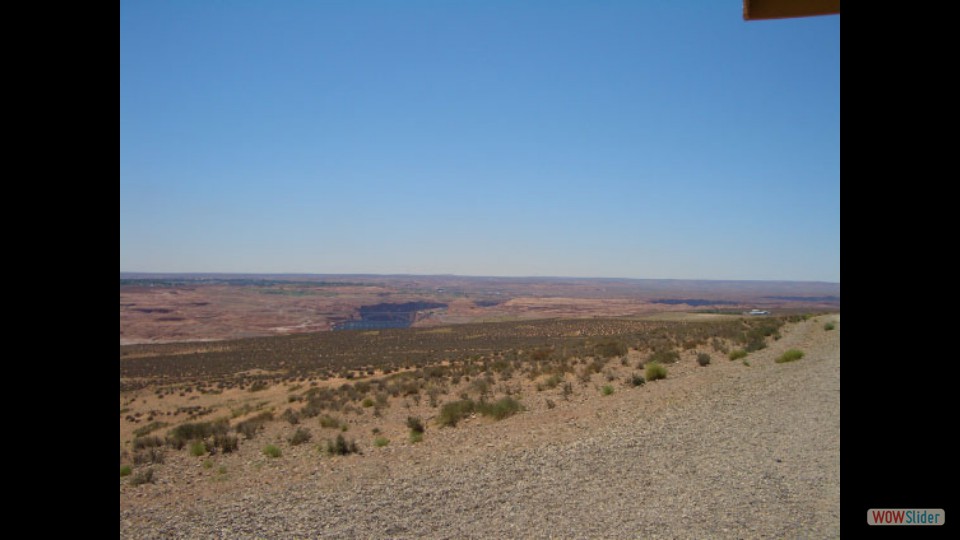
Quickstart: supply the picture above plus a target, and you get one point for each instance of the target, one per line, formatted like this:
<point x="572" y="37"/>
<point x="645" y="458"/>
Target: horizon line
<point x="361" y="274"/>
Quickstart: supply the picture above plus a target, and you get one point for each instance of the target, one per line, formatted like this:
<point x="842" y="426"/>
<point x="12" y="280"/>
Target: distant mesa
<point x="157" y="307"/>
<point x="825" y="299"/>
<point x="693" y="302"/>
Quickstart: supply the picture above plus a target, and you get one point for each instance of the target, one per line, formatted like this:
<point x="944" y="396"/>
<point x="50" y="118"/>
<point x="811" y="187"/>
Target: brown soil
<point x="184" y="485"/>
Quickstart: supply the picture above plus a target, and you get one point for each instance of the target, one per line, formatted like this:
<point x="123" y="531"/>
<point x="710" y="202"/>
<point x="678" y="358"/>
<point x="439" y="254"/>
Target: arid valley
<point x="261" y="406"/>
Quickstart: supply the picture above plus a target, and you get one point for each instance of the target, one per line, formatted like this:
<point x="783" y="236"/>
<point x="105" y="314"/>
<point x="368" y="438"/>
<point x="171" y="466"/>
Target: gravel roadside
<point x="747" y="452"/>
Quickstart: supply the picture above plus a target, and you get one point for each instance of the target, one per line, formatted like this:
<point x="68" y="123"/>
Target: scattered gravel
<point x="737" y="452"/>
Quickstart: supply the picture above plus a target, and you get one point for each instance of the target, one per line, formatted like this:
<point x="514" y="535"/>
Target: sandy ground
<point x="726" y="451"/>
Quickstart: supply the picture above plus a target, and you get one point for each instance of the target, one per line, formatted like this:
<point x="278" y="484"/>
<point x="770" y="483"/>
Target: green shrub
<point x="415" y="424"/>
<point x="790" y="356"/>
<point x="655" y="371"/>
<point x="367" y="402"/>
<point x="416" y="436"/>
<point x="636" y="380"/>
<point x="143" y="477"/>
<point x="737" y="354"/>
<point x="501" y="409"/>
<point x="198" y="448"/>
<point x="259" y="386"/>
<point x="184" y="433"/>
<point x="451" y="413"/>
<point x="380" y="442"/>
<point x="291" y="416"/>
<point x="611" y="349"/>
<point x="341" y="447"/>
<point x="664" y="357"/>
<point x="251" y="426"/>
<point x="226" y="443"/>
<point x="607" y="390"/>
<point x="139" y="443"/>
<point x="125" y="471"/>
<point x="272" y="451"/>
<point x="703" y="359"/>
<point x="328" y="421"/>
<point x="829" y="326"/>
<point x="300" y="436"/>
<point x="148" y="455"/>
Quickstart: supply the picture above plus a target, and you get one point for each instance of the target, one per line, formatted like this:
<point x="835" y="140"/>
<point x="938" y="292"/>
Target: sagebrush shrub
<point x="737" y="354"/>
<point x="148" y="456"/>
<point x="790" y="356"/>
<point x="451" y="413"/>
<point x="415" y="424"/>
<point x="655" y="371"/>
<point x="143" y="477"/>
<point x="500" y="409"/>
<point x="664" y="357"/>
<point x="185" y="433"/>
<point x="341" y="447"/>
<point x="328" y="421"/>
<point x="139" y="443"/>
<point x="300" y="436"/>
<point x="198" y="448"/>
<point x="226" y="443"/>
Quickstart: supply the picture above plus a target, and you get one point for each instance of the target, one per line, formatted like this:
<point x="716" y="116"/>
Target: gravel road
<point x="748" y="452"/>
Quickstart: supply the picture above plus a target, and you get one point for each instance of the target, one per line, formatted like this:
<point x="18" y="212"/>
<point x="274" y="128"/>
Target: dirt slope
<point x="727" y="451"/>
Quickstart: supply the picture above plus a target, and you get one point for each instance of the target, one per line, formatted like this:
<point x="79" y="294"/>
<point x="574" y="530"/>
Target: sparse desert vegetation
<point x="791" y="355"/>
<point x="547" y="347"/>
<point x="465" y="378"/>
<point x="300" y="436"/>
<point x="215" y="398"/>
<point x="142" y="477"/>
<point x="655" y="371"/>
<point x="341" y="446"/>
<point x="275" y="397"/>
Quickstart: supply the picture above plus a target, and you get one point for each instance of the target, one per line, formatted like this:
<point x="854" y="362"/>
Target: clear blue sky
<point x="649" y="139"/>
